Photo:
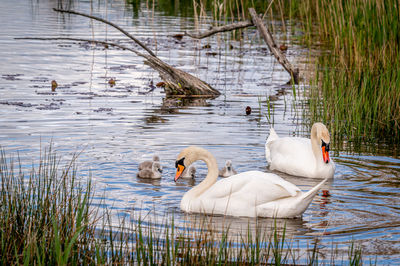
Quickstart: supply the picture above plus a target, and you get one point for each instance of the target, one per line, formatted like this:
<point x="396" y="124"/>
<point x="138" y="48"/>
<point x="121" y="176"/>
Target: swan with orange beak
<point x="301" y="156"/>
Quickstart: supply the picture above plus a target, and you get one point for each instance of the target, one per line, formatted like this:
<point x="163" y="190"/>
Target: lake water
<point x="118" y="127"/>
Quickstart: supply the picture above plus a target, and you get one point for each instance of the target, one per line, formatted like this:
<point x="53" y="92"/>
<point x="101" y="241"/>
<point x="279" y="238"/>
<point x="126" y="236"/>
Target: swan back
<point x="251" y="193"/>
<point x="149" y="164"/>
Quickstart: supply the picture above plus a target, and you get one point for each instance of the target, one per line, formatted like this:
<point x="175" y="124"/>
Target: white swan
<point x="153" y="173"/>
<point x="149" y="164"/>
<point x="228" y="170"/>
<point x="301" y="156"/>
<point x="249" y="194"/>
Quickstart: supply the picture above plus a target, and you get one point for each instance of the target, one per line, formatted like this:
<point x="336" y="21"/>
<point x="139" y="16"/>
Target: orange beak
<point x="179" y="171"/>
<point x="325" y="155"/>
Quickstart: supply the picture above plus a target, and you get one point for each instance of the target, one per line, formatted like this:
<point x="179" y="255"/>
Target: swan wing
<point x="242" y="193"/>
<point x="292" y="155"/>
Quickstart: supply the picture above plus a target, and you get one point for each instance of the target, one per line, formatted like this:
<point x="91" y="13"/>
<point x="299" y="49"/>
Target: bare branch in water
<point x="109" y="23"/>
<point x="214" y="30"/>
<point x="269" y="40"/>
<point x="178" y="82"/>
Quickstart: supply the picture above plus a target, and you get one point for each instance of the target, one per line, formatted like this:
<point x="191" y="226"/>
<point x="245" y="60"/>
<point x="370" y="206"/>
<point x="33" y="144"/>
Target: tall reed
<point x="43" y="216"/>
<point x="46" y="218"/>
<point x="356" y="90"/>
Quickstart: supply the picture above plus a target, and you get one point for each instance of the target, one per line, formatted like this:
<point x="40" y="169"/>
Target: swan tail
<point x="307" y="197"/>
<point x="272" y="136"/>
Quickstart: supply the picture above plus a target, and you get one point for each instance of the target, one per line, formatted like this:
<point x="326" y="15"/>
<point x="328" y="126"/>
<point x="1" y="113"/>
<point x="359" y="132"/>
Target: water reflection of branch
<point x="172" y="106"/>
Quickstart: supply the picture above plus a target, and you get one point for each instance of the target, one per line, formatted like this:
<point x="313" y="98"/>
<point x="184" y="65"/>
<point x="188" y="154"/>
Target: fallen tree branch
<point x="214" y="30"/>
<point x="81" y="40"/>
<point x="178" y="82"/>
<point x="109" y="23"/>
<point x="263" y="30"/>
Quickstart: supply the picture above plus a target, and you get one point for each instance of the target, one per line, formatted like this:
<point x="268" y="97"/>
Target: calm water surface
<point x="118" y="127"/>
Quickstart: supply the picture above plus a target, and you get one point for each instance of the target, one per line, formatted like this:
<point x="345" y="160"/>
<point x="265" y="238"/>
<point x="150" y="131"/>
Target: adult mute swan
<point x="252" y="194"/>
<point x="301" y="156"/>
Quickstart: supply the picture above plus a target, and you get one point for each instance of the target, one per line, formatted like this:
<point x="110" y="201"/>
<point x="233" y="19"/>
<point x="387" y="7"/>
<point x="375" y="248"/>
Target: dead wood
<point x="177" y="81"/>
<point x="109" y="23"/>
<point x="265" y="33"/>
<point x="214" y="30"/>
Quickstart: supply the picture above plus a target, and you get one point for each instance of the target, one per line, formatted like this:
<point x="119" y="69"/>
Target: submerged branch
<point x="214" y="30"/>
<point x="269" y="40"/>
<point x="109" y="23"/>
<point x="178" y="82"/>
<point x="265" y="33"/>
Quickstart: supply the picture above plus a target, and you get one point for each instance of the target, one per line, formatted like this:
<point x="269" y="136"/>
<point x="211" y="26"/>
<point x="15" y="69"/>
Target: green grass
<point x="46" y="218"/>
<point x="356" y="89"/>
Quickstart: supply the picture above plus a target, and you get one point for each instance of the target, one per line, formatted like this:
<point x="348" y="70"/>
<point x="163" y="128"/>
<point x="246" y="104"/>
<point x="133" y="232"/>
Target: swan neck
<point x="315" y="144"/>
<point x="212" y="174"/>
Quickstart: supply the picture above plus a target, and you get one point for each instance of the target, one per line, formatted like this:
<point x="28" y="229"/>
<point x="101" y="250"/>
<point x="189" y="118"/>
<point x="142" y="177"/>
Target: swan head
<point x="156" y="158"/>
<point x="192" y="171"/>
<point x="156" y="167"/>
<point x="322" y="135"/>
<point x="187" y="156"/>
<point x="228" y="164"/>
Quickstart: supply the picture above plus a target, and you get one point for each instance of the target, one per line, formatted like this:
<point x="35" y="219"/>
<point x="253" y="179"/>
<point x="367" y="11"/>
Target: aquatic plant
<point x="47" y="218"/>
<point x="355" y="87"/>
<point x="355" y="90"/>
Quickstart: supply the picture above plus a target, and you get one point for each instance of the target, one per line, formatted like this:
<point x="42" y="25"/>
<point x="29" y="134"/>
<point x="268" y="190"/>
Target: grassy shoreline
<point x="356" y="88"/>
<point x="47" y="218"/>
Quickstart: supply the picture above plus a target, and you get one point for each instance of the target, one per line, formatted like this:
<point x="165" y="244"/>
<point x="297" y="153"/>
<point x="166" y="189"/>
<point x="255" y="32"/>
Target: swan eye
<point x="325" y="145"/>
<point x="180" y="162"/>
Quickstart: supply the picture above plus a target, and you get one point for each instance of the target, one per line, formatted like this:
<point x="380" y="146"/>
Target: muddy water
<point x="118" y="127"/>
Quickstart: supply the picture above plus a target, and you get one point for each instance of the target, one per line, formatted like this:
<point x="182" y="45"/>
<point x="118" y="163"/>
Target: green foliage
<point x="47" y="218"/>
<point x="356" y="90"/>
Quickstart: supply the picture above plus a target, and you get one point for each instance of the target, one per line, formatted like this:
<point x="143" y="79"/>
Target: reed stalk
<point x="47" y="218"/>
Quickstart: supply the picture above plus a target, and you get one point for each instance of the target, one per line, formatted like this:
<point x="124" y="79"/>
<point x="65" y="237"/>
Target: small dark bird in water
<point x="178" y="36"/>
<point x="283" y="47"/>
<point x="248" y="110"/>
<point x="53" y="85"/>
<point x="111" y="82"/>
<point x="161" y="84"/>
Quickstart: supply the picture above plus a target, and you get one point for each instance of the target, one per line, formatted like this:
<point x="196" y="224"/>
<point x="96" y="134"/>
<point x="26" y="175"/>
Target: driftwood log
<point x="178" y="83"/>
<point x="265" y="33"/>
